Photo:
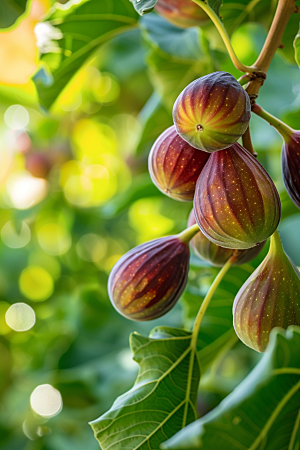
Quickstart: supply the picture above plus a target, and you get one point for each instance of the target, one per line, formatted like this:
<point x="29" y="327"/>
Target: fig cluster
<point x="236" y="208"/>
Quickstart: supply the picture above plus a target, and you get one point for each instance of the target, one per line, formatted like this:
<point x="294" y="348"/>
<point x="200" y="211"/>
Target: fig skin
<point x="269" y="298"/>
<point x="290" y="166"/>
<point x="212" y="112"/>
<point x="149" y="279"/>
<point x="236" y="203"/>
<point x="181" y="13"/>
<point x="175" y="166"/>
<point x="216" y="255"/>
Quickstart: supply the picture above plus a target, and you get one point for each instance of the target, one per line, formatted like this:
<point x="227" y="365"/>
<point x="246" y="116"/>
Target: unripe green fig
<point x="212" y="112"/>
<point x="217" y="256"/>
<point x="149" y="280"/>
<point x="236" y="203"/>
<point x="182" y="13"/>
<point x="270" y="298"/>
<point x="175" y="166"/>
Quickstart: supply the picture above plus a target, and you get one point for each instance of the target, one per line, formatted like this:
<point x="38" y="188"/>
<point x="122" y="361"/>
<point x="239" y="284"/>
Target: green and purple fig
<point x="148" y="280"/>
<point x="182" y="13"/>
<point x="175" y="166"/>
<point x="236" y="203"/>
<point x="212" y="112"/>
<point x="217" y="256"/>
<point x="270" y="298"/>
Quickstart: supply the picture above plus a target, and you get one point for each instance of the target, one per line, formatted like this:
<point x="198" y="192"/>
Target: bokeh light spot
<point x="20" y="317"/>
<point x="25" y="191"/>
<point x="79" y="190"/>
<point x="54" y="239"/>
<point x="16" y="117"/>
<point x="91" y="247"/>
<point x="13" y="238"/>
<point x="36" y="283"/>
<point x="46" y="401"/>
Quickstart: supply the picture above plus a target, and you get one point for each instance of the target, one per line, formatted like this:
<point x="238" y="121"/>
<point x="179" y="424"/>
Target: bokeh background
<point x="75" y="195"/>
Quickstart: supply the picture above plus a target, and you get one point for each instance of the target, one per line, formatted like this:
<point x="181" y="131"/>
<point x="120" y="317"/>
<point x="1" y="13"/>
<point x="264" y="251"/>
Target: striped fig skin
<point x="175" y="166"/>
<point x="212" y="112"/>
<point x="217" y="256"/>
<point x="181" y="13"/>
<point x="148" y="280"/>
<point x="269" y="298"/>
<point x="290" y="166"/>
<point x="236" y="203"/>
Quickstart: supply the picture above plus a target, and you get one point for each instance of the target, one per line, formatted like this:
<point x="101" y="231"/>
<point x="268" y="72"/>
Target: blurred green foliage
<point x="75" y="195"/>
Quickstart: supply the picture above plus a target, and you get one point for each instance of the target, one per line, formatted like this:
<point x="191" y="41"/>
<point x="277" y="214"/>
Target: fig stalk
<point x="188" y="234"/>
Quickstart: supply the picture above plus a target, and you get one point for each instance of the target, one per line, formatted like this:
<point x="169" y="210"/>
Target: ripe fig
<point x="216" y="255"/>
<point x="148" y="280"/>
<point x="236" y="203"/>
<point x="212" y="112"/>
<point x="290" y="165"/>
<point x="182" y="13"/>
<point x="269" y="298"/>
<point x="175" y="166"/>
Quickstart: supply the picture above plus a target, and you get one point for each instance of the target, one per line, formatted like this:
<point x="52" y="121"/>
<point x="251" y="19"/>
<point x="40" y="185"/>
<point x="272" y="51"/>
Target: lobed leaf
<point x="143" y="6"/>
<point x="10" y="11"/>
<point x="163" y="398"/>
<point x="71" y="34"/>
<point x="262" y="412"/>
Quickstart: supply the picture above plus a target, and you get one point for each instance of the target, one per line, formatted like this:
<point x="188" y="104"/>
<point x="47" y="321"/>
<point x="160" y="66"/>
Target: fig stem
<point x="283" y="129"/>
<point x="276" y="244"/>
<point x="247" y="142"/>
<point x="208" y="298"/>
<point x="188" y="234"/>
<point x="223" y="33"/>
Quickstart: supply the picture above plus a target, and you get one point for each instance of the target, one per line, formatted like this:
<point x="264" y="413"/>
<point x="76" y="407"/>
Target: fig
<point x="217" y="256"/>
<point x="212" y="112"/>
<point x="181" y="13"/>
<point x="175" y="166"/>
<point x="236" y="203"/>
<point x="148" y="280"/>
<point x="290" y="165"/>
<point x="269" y="298"/>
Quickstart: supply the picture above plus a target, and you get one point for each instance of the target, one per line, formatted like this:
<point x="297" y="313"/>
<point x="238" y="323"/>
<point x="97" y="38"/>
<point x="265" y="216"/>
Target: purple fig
<point x="148" y="280"/>
<point x="236" y="203"/>
<point x="175" y="166"/>
<point x="182" y="13"/>
<point x="269" y="298"/>
<point x="217" y="256"/>
<point x="290" y="163"/>
<point x="212" y="112"/>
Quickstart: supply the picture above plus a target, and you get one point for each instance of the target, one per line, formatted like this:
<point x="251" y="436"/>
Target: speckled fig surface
<point x="290" y="163"/>
<point x="182" y="13"/>
<point x="214" y="254"/>
<point x="212" y="112"/>
<point x="236" y="203"/>
<point x="175" y="166"/>
<point x="148" y="280"/>
<point x="270" y="298"/>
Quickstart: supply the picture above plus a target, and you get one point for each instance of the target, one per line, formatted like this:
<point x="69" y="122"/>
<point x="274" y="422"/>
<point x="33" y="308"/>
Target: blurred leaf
<point x="70" y="35"/>
<point x="143" y="6"/>
<point x="262" y="413"/>
<point x="217" y="326"/>
<point x="10" y="10"/>
<point x="145" y="416"/>
<point x="154" y="119"/>
<point x="184" y="43"/>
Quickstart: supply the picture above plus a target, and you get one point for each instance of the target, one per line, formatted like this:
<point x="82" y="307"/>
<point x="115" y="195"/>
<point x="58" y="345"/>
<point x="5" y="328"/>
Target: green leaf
<point x="10" y="11"/>
<point x="144" y="6"/>
<point x="70" y="36"/>
<point x="215" y="5"/>
<point x="163" y="398"/>
<point x="262" y="412"/>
